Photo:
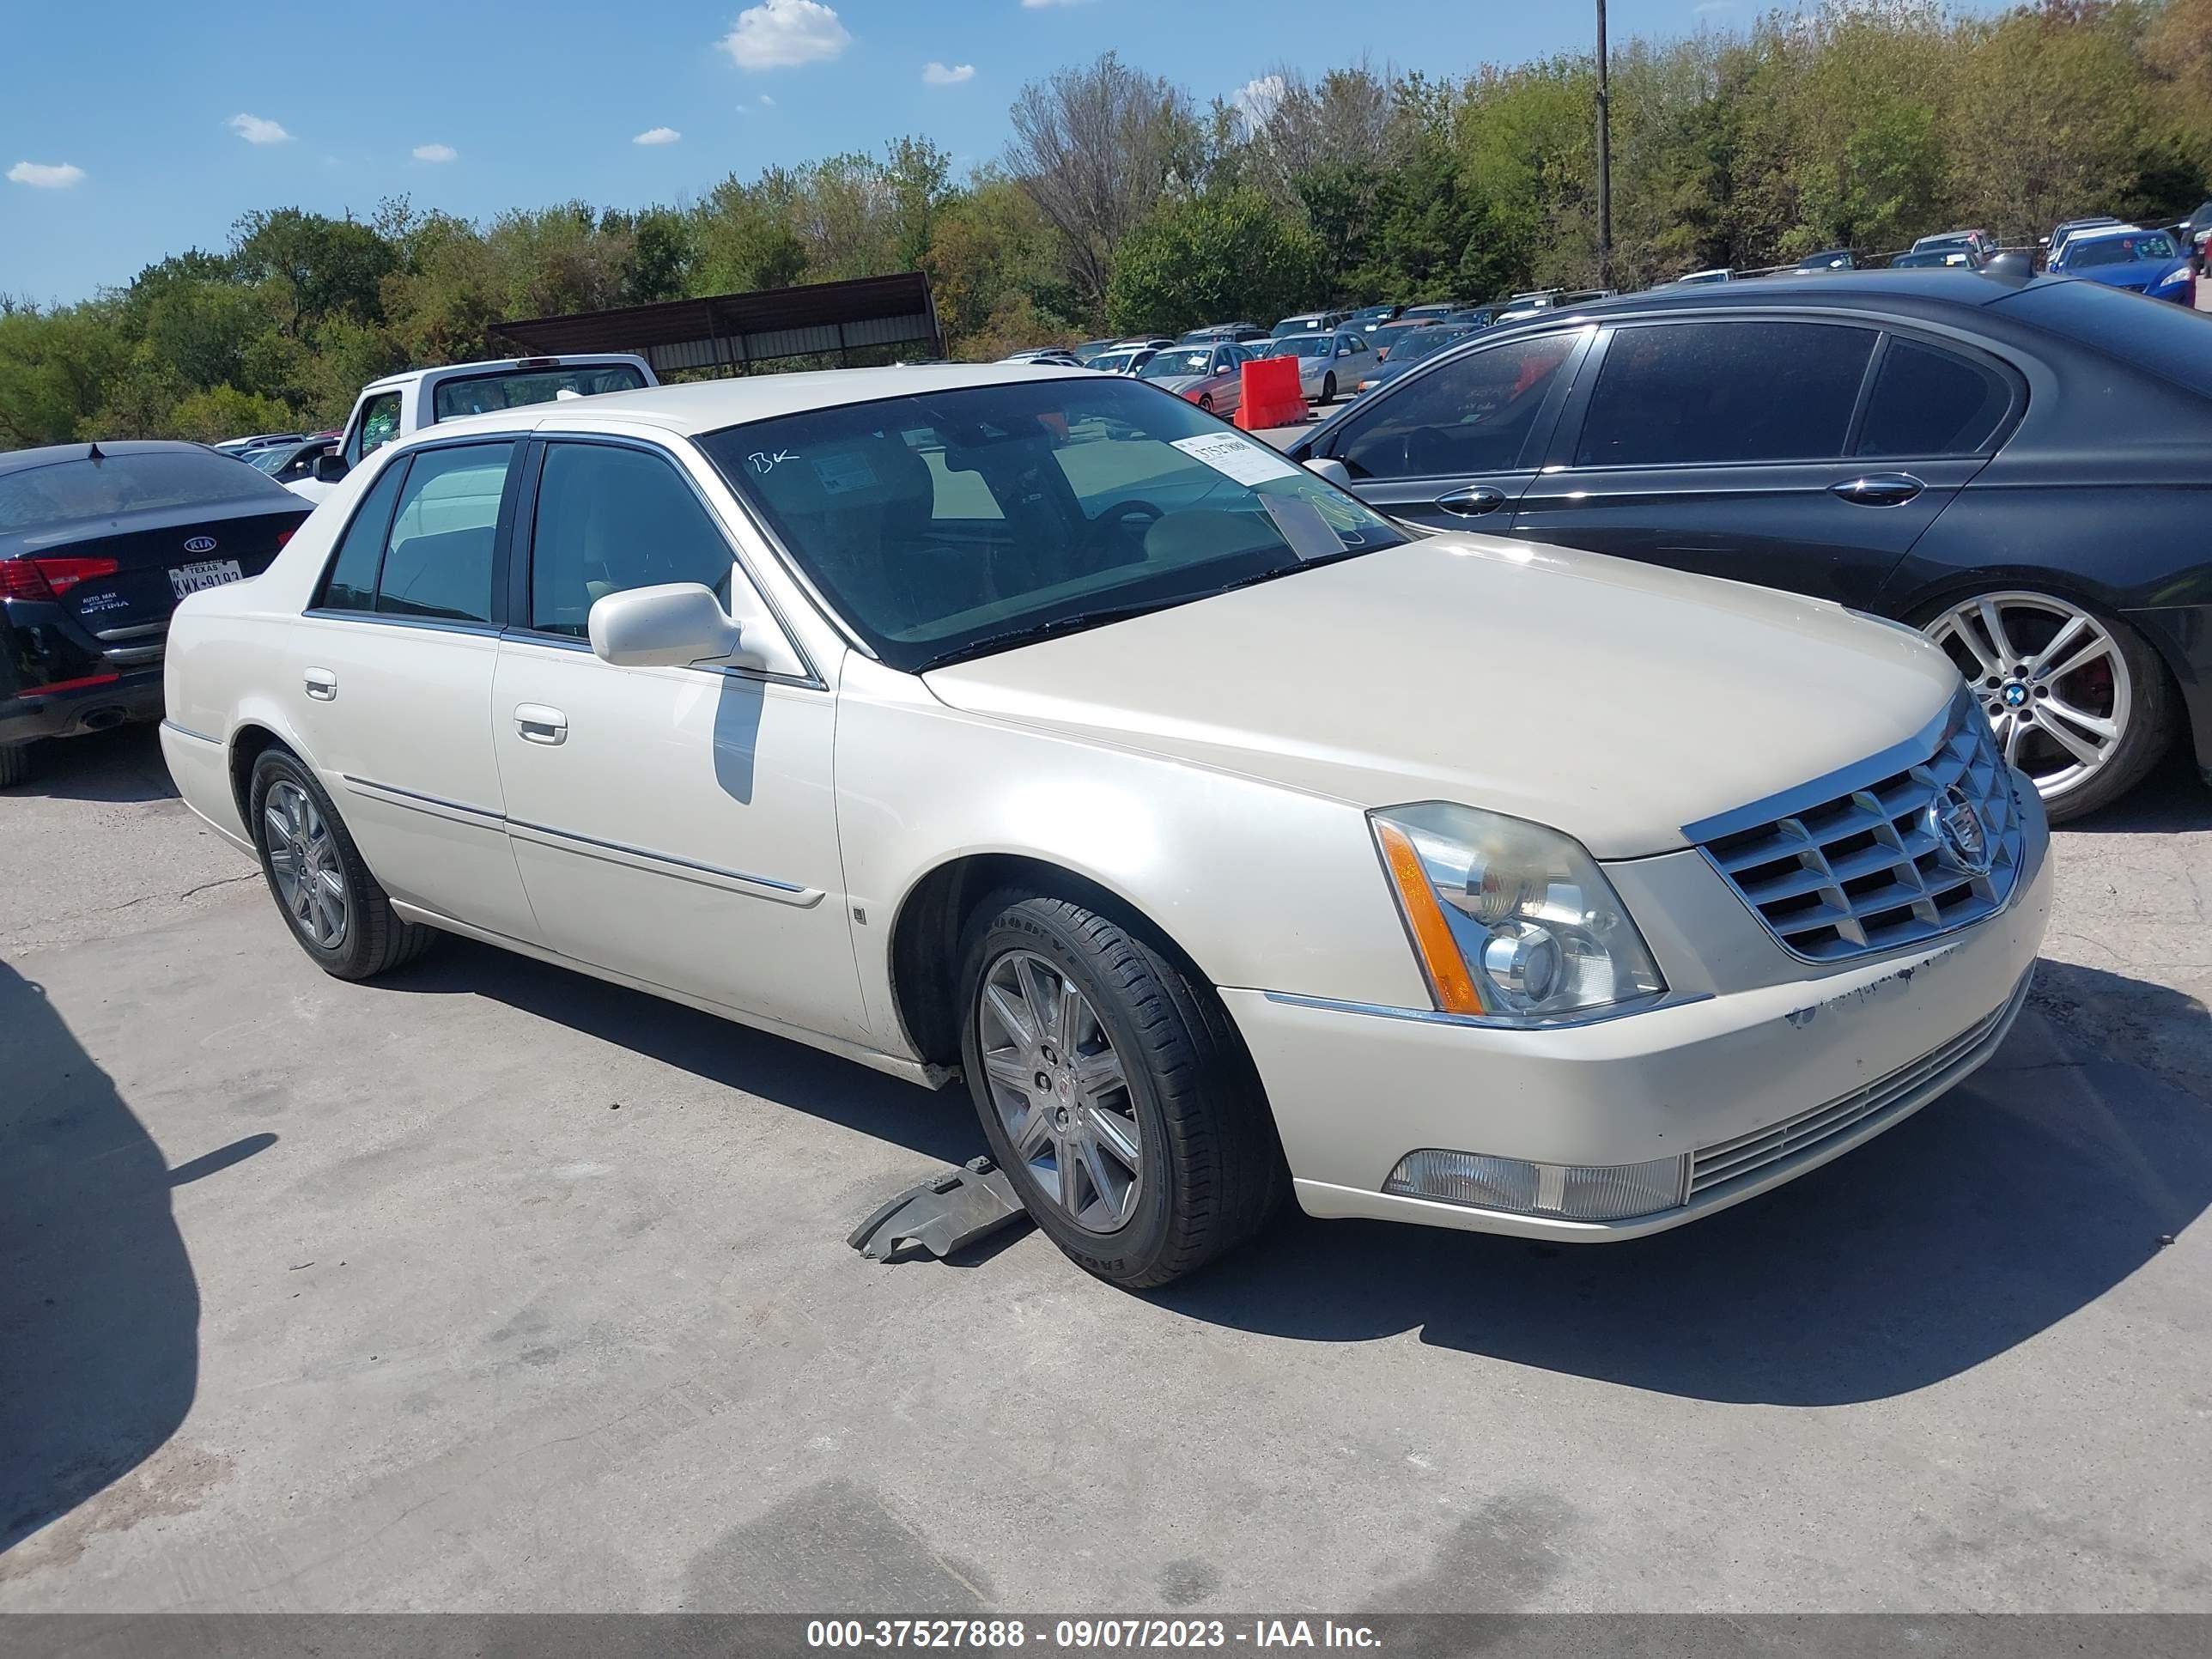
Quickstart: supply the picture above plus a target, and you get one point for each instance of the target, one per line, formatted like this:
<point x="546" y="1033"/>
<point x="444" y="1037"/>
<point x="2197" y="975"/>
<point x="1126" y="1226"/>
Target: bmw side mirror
<point x="331" y="467"/>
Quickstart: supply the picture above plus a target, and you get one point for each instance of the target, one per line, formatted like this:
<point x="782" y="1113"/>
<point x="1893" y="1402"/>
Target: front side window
<point x="1685" y="393"/>
<point x="438" y="558"/>
<point x="610" y="518"/>
<point x="1470" y="415"/>
<point x="1080" y="503"/>
<point x="380" y="425"/>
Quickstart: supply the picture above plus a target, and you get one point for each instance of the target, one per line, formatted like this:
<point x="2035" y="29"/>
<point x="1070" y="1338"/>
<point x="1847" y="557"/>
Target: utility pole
<point x="1604" y="161"/>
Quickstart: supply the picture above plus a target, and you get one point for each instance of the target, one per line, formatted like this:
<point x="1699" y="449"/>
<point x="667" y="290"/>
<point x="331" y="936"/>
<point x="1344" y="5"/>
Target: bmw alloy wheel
<point x="2053" y="680"/>
<point x="1059" y="1090"/>
<point x="304" y="860"/>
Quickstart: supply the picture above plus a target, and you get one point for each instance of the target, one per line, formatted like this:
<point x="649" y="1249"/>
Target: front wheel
<point x="2079" y="701"/>
<point x="1114" y="1091"/>
<point x="334" y="907"/>
<point x="1206" y="402"/>
<point x="1328" y="387"/>
<point x="15" y="764"/>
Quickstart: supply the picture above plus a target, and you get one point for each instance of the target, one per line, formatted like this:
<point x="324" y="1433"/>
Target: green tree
<point x="1235" y="254"/>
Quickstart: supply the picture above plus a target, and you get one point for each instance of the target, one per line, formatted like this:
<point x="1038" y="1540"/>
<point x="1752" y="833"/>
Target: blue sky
<point x="136" y="128"/>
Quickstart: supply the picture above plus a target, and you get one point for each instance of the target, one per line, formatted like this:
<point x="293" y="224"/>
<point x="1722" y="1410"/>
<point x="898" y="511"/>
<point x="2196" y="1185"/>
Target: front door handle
<point x="538" y="724"/>
<point x="322" y="684"/>
<point x="1879" y="489"/>
<point x="1472" y="502"/>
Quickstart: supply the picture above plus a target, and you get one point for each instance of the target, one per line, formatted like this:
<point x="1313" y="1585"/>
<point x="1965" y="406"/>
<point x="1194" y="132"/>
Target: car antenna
<point x="95" y="455"/>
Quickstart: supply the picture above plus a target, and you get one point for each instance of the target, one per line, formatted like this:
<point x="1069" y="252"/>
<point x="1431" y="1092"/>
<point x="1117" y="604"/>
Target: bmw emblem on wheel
<point x="2015" y="695"/>
<point x="1956" y="823"/>
<point x="200" y="544"/>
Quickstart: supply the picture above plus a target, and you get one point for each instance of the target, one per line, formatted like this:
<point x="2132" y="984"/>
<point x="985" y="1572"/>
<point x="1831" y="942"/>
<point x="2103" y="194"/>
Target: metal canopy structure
<point x="729" y="333"/>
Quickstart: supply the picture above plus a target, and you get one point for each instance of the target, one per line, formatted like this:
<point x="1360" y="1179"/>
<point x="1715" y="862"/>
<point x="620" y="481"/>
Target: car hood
<point x="2144" y="275"/>
<point x="1615" y="701"/>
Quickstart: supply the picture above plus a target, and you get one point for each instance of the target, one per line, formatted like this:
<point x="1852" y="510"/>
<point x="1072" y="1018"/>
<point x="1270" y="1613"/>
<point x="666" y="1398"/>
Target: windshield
<point x="480" y="394"/>
<point x="955" y="524"/>
<point x="1112" y="362"/>
<point x="1426" y="343"/>
<point x="1169" y="365"/>
<point x="1310" y="345"/>
<point x="2081" y="253"/>
<point x="271" y="459"/>
<point x="73" y="492"/>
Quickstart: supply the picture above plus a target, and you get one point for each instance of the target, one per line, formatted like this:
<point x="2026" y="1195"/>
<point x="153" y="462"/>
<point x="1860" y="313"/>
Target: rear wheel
<point x="15" y="764"/>
<point x="341" y="917"/>
<point x="2079" y="700"/>
<point x="1114" y="1091"/>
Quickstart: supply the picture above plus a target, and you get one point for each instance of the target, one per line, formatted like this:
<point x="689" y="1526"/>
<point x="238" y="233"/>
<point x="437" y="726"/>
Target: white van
<point x="399" y="405"/>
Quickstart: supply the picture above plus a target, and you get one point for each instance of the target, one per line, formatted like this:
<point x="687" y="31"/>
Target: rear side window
<point x="1470" y="415"/>
<point x="437" y="561"/>
<point x="1928" y="402"/>
<point x="609" y="520"/>
<point x="1686" y="393"/>
<point x="351" y="584"/>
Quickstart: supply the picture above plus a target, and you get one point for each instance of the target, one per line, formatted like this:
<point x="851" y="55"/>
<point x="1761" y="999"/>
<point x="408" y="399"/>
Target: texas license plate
<point x="209" y="573"/>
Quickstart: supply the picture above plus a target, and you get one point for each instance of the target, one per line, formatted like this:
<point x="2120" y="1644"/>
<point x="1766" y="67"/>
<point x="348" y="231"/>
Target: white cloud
<point x="255" y="129"/>
<point x="947" y="74"/>
<point x="784" y="33"/>
<point x="436" y="153"/>
<point x="1712" y="5"/>
<point x="1039" y="5"/>
<point x="766" y="102"/>
<point x="1257" y="100"/>
<point x="657" y="136"/>
<point x="39" y="175"/>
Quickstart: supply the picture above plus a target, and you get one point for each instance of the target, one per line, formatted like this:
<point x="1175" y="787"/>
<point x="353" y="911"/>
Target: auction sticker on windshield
<point x="1239" y="458"/>
<point x="209" y="573"/>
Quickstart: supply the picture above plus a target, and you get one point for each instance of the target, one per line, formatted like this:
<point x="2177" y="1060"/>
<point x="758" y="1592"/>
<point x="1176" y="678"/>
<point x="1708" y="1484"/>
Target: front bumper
<point x="1752" y="1085"/>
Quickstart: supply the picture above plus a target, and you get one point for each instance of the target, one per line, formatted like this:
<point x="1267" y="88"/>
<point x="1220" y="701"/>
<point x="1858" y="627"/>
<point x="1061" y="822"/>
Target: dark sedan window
<point x="1928" y="402"/>
<point x="2169" y="340"/>
<point x="1679" y="393"/>
<point x="72" y="492"/>
<point x="1470" y="415"/>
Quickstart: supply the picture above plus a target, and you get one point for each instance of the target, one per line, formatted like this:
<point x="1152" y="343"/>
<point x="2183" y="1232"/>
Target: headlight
<point x="1513" y="922"/>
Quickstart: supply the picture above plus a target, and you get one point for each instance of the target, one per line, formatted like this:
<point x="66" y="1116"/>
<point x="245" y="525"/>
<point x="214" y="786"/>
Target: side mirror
<point x="1328" y="467"/>
<point x="331" y="467"/>
<point x="663" y="627"/>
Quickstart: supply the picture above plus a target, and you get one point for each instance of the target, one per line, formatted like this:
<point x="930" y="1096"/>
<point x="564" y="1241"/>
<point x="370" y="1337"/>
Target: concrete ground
<point x="490" y="1287"/>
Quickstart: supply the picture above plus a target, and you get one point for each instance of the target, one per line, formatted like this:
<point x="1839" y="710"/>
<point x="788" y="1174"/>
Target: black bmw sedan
<point x="98" y="542"/>
<point x="2020" y="466"/>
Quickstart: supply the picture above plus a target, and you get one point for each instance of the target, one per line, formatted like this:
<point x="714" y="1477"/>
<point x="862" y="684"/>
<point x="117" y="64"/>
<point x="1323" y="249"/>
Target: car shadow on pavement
<point x="2000" y="1209"/>
<point x="121" y="765"/>
<point x="940" y="1126"/>
<point x="2174" y="798"/>
<point x="98" y="1307"/>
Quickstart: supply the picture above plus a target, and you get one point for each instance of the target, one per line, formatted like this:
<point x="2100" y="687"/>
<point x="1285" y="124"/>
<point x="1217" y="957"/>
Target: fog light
<point x="1572" y="1192"/>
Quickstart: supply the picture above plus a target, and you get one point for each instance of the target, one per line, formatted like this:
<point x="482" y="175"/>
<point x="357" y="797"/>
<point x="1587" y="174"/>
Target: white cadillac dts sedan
<point x="1034" y="727"/>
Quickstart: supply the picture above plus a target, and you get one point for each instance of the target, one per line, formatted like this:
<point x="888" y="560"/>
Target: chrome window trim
<point x="1489" y="1022"/>
<point x="761" y="676"/>
<point x="393" y="619"/>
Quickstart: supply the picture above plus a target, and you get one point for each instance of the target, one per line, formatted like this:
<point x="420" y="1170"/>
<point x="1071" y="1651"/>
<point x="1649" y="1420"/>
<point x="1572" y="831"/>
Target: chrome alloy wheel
<point x="2050" y="677"/>
<point x="304" y="858"/>
<point x="1059" y="1090"/>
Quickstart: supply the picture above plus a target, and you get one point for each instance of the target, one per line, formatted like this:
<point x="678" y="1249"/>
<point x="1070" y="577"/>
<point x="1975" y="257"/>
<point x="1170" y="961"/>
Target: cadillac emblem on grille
<point x="1956" y="823"/>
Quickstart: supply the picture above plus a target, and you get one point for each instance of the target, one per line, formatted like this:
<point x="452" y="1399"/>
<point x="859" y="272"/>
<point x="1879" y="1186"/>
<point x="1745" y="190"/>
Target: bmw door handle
<point x="538" y="724"/>
<point x="1472" y="502"/>
<point x="322" y="684"/>
<point x="1879" y="489"/>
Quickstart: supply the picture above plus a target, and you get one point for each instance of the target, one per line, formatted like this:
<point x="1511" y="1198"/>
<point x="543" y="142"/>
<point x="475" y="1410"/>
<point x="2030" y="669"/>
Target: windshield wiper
<point x="1032" y="632"/>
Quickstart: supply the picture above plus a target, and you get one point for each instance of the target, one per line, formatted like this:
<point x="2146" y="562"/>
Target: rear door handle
<point x="1879" y="489"/>
<point x="538" y="724"/>
<point x="322" y="684"/>
<point x="1472" y="502"/>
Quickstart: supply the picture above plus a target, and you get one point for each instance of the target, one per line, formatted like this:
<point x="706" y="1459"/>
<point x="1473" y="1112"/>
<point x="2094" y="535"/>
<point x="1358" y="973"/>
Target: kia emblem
<point x="200" y="544"/>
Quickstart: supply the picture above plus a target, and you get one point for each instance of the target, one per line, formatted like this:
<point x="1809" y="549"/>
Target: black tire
<point x="1206" y="402"/>
<point x="1328" y="387"/>
<point x="376" y="939"/>
<point x="1215" y="1170"/>
<point x="2152" y="722"/>
<point x="15" y="764"/>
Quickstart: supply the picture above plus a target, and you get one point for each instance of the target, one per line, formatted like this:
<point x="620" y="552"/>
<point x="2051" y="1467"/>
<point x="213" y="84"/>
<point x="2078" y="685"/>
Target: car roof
<point x="2106" y="233"/>
<point x="1945" y="285"/>
<point x="710" y="405"/>
<point x="22" y="460"/>
<point x="409" y="376"/>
